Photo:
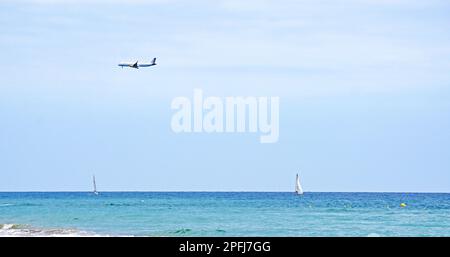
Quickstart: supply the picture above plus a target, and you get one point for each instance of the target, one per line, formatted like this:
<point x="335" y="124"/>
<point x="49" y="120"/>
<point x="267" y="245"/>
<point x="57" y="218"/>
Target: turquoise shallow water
<point x="225" y="214"/>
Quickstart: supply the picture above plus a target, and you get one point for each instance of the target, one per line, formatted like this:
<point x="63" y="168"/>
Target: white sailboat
<point x="95" y="185"/>
<point x="298" y="187"/>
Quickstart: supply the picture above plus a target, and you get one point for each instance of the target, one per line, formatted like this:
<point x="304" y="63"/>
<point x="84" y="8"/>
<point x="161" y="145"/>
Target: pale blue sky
<point x="364" y="88"/>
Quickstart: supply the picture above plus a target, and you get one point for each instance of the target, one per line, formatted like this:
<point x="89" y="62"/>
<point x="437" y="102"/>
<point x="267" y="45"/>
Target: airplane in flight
<point x="137" y="65"/>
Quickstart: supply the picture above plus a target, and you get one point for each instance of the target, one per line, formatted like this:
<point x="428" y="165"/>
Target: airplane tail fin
<point x="154" y="61"/>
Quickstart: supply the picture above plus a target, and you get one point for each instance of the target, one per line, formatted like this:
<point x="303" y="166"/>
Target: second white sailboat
<point x="298" y="187"/>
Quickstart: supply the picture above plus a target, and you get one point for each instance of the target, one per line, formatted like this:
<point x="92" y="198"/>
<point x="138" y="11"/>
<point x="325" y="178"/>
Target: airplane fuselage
<point x="136" y="64"/>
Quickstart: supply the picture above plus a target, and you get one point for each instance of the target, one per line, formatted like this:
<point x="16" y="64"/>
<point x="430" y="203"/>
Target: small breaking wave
<point x="20" y="230"/>
<point x="373" y="235"/>
<point x="19" y="204"/>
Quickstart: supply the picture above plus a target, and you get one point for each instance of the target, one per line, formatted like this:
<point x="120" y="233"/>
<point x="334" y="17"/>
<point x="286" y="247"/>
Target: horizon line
<point x="223" y="191"/>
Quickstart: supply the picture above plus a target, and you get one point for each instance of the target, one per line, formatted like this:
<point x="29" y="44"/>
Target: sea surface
<point x="223" y="214"/>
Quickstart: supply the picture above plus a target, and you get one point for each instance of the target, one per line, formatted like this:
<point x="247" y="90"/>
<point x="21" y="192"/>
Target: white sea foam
<point x="19" y="230"/>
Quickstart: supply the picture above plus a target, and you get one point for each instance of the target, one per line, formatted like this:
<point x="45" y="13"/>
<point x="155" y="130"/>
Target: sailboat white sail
<point x="95" y="185"/>
<point x="298" y="187"/>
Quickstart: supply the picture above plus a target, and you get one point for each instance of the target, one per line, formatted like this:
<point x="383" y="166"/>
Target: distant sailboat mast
<point x="298" y="187"/>
<point x="95" y="185"/>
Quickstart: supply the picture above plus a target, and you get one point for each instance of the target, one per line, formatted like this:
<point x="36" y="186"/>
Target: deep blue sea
<point x="224" y="214"/>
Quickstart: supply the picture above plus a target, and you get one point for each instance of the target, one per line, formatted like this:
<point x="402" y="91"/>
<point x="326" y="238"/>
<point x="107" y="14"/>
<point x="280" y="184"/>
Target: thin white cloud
<point x="306" y="43"/>
<point x="88" y="2"/>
